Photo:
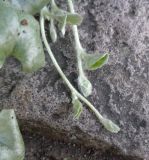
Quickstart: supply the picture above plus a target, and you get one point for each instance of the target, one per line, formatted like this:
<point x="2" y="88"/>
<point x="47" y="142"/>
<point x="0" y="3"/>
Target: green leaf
<point x="60" y="16"/>
<point x="29" y="6"/>
<point x="32" y="6"/>
<point x="28" y="49"/>
<point x="110" y="126"/>
<point x="85" y="86"/>
<point x="72" y="19"/>
<point x="52" y="29"/>
<point x="20" y="37"/>
<point x="94" y="61"/>
<point x="11" y="142"/>
<point x="77" y="108"/>
<point x="8" y="31"/>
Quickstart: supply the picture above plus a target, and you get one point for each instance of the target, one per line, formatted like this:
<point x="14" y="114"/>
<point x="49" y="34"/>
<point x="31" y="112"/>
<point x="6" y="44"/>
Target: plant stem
<point x="79" y="49"/>
<point x="78" y="46"/>
<point x="53" y="4"/>
<point x="75" y="29"/>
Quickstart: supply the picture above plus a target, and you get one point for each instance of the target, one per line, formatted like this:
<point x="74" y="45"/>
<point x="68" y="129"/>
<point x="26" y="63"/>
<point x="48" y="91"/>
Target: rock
<point x="121" y="88"/>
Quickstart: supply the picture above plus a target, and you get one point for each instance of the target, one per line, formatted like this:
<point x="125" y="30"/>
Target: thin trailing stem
<point x="75" y="29"/>
<point x="83" y="82"/>
<point x="73" y="90"/>
<point x="78" y="47"/>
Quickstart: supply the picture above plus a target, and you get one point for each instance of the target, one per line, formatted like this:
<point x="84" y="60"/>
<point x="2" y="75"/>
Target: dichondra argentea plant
<point x="20" y="37"/>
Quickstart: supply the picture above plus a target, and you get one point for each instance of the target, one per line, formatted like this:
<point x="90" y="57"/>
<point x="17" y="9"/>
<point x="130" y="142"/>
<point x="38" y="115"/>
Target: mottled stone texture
<point x="121" y="88"/>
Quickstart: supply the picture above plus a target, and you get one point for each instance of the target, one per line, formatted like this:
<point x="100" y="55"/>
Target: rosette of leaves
<point x="20" y="38"/>
<point x="11" y="142"/>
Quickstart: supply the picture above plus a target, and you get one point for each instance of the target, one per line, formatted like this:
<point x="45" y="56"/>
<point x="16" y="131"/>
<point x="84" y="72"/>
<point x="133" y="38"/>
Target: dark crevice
<point x="45" y="143"/>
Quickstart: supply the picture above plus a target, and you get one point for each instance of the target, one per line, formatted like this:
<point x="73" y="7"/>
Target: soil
<point x="39" y="147"/>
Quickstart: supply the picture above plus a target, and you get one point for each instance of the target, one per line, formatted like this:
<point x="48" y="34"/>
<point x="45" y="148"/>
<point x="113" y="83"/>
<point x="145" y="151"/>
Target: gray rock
<point x="121" y="88"/>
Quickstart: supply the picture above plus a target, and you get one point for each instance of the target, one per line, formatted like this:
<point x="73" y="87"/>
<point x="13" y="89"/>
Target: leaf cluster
<point x="11" y="142"/>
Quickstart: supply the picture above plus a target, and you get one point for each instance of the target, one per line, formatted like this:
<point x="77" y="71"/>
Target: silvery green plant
<point x="85" y="61"/>
<point x="20" y="37"/>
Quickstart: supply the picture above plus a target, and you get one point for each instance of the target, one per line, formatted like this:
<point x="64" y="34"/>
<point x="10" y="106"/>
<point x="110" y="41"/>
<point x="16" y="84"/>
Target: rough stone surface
<point x="121" y="88"/>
